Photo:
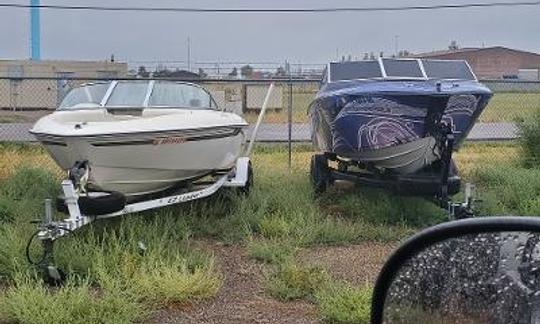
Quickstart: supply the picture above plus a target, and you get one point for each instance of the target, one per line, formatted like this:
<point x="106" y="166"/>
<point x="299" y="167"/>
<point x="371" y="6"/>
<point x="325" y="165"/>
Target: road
<point x="18" y="132"/>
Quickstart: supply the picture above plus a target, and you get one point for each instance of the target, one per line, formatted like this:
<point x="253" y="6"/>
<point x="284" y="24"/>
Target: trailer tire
<point x="95" y="205"/>
<point x="320" y="173"/>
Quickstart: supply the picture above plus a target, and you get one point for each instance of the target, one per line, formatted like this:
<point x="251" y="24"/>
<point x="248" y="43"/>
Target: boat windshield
<point x="400" y="69"/>
<point x="89" y="95"/>
<point x="139" y="93"/>
<point x="169" y="94"/>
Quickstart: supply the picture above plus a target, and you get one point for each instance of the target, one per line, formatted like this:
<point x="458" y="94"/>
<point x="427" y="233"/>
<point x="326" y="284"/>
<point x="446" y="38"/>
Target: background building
<point x="62" y="69"/>
<point x="491" y="62"/>
<point x="19" y="91"/>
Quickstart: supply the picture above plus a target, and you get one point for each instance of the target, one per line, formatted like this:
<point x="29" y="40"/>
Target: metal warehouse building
<point x="491" y="62"/>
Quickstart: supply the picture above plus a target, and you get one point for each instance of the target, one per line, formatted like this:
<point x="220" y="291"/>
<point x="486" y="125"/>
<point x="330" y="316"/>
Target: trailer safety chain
<point x="45" y="254"/>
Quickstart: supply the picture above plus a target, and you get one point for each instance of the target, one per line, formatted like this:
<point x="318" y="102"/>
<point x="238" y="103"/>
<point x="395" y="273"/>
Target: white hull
<point x="137" y="163"/>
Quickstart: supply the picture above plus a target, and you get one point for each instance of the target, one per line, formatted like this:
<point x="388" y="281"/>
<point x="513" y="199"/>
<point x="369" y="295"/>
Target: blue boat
<point x="395" y="117"/>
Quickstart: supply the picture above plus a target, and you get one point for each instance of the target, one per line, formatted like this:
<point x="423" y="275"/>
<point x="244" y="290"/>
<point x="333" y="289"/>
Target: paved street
<point x="18" y="132"/>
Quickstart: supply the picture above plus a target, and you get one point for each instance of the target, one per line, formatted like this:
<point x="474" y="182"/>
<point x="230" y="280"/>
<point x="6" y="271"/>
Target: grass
<point x="503" y="107"/>
<point x="12" y="119"/>
<point x="530" y="140"/>
<point x="341" y="303"/>
<point x="338" y="302"/>
<point x="511" y="107"/>
<point x="114" y="275"/>
<point x="273" y="251"/>
<point x="28" y="301"/>
<point x="509" y="190"/>
<point x="293" y="281"/>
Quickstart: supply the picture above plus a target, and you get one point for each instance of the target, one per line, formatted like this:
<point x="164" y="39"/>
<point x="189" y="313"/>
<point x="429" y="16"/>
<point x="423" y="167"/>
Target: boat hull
<point x="139" y="164"/>
<point x="392" y="128"/>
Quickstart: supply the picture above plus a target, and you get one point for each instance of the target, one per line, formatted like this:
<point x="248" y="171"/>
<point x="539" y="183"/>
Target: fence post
<point x="289" y="117"/>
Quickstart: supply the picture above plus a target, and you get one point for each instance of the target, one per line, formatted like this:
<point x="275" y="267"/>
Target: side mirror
<point x="479" y="270"/>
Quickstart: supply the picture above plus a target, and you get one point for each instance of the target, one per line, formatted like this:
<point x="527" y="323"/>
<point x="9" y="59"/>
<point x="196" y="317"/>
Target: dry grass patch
<point x="15" y="156"/>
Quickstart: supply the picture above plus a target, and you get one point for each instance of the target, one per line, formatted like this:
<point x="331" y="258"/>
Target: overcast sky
<point x="255" y="37"/>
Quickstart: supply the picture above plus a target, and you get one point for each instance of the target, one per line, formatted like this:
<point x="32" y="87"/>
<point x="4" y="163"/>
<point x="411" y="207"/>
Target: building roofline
<point x="471" y="49"/>
<point x="26" y="61"/>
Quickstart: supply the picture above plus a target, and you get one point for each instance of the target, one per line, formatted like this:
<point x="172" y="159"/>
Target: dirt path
<point x="242" y="299"/>
<point x="357" y="264"/>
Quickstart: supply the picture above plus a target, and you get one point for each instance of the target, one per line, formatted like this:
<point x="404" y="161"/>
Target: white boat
<point x="139" y="137"/>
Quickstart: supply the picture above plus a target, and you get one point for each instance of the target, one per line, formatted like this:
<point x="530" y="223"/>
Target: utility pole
<point x="189" y="53"/>
<point x="396" y="45"/>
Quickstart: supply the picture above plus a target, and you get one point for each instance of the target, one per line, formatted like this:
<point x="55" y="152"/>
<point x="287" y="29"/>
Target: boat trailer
<point x="74" y="194"/>
<point x="49" y="230"/>
<point x="438" y="185"/>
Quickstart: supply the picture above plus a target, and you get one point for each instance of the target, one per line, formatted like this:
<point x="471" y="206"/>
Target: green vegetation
<point x="338" y="302"/>
<point x="530" y="140"/>
<point x="117" y="279"/>
<point x="12" y="119"/>
<point x="292" y="281"/>
<point x="29" y="301"/>
<point x="503" y="107"/>
<point x="509" y="190"/>
<point x="511" y="107"/>
<point x="341" y="303"/>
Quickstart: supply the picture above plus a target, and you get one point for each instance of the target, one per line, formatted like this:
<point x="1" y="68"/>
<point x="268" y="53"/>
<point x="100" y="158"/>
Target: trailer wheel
<point x="249" y="183"/>
<point x="96" y="203"/>
<point x="320" y="173"/>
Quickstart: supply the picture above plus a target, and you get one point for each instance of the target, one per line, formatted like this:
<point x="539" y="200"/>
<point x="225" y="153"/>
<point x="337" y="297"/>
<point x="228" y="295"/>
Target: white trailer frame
<point x="237" y="177"/>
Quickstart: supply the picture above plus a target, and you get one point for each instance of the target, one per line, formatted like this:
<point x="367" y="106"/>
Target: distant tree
<point x="181" y="74"/>
<point x="280" y="72"/>
<point x="246" y="71"/>
<point x="202" y="74"/>
<point x="234" y="72"/>
<point x="141" y="72"/>
<point x="404" y="53"/>
<point x="453" y="45"/>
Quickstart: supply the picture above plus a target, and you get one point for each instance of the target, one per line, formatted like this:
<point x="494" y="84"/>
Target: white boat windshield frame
<point x="145" y="102"/>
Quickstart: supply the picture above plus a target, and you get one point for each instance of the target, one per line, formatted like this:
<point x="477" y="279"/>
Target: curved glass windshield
<point x="139" y="94"/>
<point x="128" y="94"/>
<point x="89" y="95"/>
<point x="169" y="94"/>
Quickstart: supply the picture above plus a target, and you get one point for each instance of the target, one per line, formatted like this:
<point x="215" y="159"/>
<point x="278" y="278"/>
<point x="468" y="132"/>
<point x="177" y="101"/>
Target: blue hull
<point x="352" y="117"/>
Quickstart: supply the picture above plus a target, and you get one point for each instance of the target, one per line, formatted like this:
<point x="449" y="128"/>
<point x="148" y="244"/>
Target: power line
<point x="274" y="10"/>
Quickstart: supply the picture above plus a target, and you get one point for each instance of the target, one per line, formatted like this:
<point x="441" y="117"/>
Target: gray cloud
<point x="272" y="37"/>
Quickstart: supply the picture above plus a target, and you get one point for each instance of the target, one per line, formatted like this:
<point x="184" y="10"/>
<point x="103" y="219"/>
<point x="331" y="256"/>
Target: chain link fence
<point x="24" y="100"/>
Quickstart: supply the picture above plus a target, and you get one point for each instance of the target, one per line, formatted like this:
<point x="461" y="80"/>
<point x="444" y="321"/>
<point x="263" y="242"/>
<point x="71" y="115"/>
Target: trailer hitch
<point x="47" y="232"/>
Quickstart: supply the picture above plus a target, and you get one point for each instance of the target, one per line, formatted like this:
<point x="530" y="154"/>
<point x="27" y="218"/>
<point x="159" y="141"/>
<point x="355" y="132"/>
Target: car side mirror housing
<point x="478" y="270"/>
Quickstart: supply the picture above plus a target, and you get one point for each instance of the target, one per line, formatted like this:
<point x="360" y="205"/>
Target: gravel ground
<point x="242" y="299"/>
<point x="357" y="264"/>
